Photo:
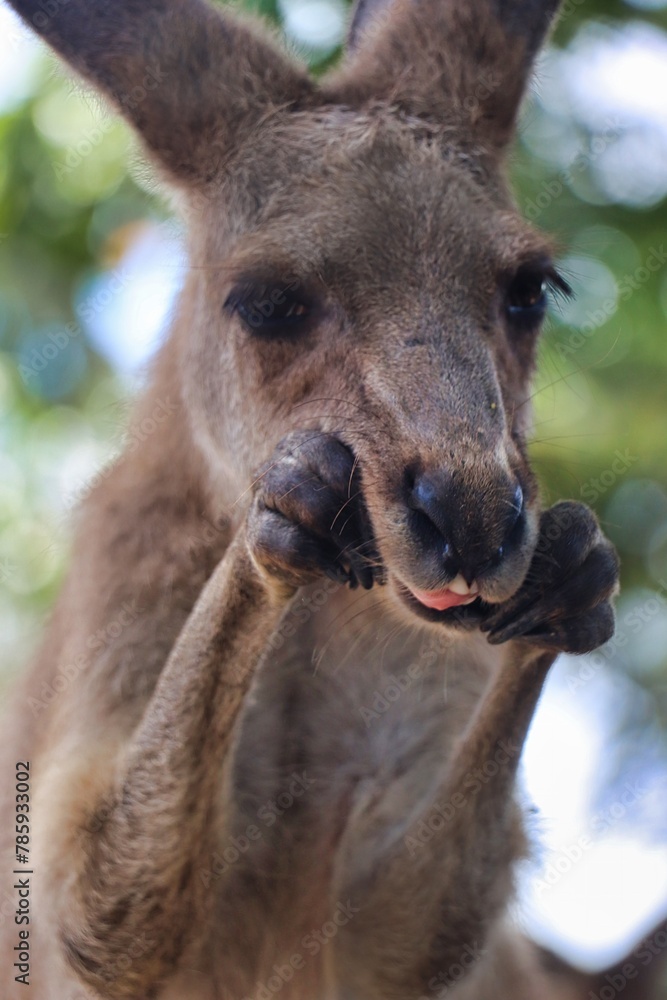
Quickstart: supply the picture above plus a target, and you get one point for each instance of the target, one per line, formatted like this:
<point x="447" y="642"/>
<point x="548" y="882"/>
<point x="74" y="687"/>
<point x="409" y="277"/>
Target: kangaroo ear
<point x="454" y="62"/>
<point x="190" y="79"/>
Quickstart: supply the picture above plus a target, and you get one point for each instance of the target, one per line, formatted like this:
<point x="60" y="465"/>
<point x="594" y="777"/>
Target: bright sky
<point x="602" y="880"/>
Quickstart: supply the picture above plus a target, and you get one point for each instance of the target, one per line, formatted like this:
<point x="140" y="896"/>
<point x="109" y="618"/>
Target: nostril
<point x="431" y="497"/>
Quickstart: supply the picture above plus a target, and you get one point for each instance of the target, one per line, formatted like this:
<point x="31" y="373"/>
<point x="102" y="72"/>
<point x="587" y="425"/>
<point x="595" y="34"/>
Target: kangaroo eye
<point x="527" y="295"/>
<point x="270" y="309"/>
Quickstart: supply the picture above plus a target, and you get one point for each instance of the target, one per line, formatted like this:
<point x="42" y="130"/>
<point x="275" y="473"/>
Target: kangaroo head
<point x="357" y="262"/>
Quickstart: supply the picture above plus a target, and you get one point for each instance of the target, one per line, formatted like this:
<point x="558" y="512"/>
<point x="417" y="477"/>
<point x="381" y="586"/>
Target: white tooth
<point x="459" y="586"/>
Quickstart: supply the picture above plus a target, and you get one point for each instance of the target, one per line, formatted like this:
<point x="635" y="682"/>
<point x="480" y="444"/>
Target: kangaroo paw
<point x="565" y="602"/>
<point x="308" y="516"/>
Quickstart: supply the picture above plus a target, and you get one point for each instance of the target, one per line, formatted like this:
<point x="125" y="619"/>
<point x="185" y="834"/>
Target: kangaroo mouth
<point x="455" y="594"/>
<point x="447" y="606"/>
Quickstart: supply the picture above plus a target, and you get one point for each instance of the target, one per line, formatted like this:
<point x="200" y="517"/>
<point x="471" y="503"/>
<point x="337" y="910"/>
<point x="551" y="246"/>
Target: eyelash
<point x="526" y="296"/>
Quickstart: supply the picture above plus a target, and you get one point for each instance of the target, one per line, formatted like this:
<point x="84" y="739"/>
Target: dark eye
<point x="527" y="296"/>
<point x="271" y="309"/>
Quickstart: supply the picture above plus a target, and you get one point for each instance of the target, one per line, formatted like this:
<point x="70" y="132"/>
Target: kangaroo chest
<point x="353" y="705"/>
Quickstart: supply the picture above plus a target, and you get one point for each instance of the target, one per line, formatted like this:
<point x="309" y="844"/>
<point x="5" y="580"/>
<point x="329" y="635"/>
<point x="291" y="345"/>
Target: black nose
<point x="474" y="526"/>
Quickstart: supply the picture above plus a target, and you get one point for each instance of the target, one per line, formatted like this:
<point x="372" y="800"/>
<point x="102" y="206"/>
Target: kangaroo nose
<point x="474" y="528"/>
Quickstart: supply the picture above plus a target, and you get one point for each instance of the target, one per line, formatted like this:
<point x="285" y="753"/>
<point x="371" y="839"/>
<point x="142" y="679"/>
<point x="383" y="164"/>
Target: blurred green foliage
<point x="67" y="216"/>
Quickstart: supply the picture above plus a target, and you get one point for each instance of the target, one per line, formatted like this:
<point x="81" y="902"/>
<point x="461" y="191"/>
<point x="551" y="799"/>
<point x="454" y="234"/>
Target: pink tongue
<point x="441" y="600"/>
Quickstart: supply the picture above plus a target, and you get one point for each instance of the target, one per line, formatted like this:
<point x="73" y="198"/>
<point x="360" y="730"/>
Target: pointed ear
<point x="457" y="63"/>
<point x="189" y="78"/>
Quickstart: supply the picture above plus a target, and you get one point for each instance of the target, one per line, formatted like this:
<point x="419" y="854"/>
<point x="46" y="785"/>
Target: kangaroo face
<point x="389" y="295"/>
<point x="357" y="266"/>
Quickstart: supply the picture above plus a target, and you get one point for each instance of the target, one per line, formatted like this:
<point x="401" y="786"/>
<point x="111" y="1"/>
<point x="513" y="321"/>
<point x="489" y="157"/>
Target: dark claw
<point x="518" y="621"/>
<point x="499" y="636"/>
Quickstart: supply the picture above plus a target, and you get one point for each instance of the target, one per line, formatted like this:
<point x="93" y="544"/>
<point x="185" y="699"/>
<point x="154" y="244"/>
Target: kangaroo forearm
<point x="481" y="833"/>
<point x="140" y="875"/>
<point x="213" y="659"/>
<point x="468" y="831"/>
<point x="485" y="762"/>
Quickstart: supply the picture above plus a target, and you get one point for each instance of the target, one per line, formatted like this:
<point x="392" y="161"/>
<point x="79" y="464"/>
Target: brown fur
<point x="198" y="687"/>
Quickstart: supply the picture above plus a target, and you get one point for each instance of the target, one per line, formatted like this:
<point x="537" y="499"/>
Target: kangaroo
<point x="273" y="731"/>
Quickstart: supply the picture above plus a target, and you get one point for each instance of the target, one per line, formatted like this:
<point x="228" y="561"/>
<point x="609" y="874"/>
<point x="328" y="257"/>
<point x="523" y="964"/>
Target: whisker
<point x="379" y="604"/>
<point x="513" y="506"/>
<point x="347" y="502"/>
<point x="269" y="468"/>
<point x="297" y="486"/>
<point x="345" y="402"/>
